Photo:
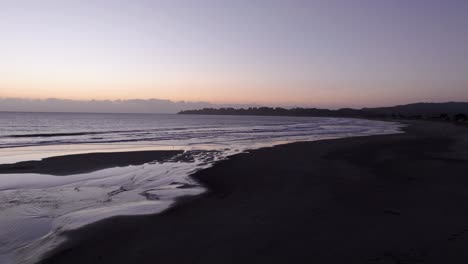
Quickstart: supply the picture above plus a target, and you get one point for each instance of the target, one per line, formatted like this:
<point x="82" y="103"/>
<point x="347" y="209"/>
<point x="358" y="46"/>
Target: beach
<point x="88" y="162"/>
<point x="378" y="199"/>
<point x="71" y="170"/>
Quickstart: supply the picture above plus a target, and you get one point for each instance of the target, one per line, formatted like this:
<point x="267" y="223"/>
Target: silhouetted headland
<point x="456" y="111"/>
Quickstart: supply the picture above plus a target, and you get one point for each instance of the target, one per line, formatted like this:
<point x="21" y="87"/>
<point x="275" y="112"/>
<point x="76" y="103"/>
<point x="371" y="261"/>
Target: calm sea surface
<point x="39" y="129"/>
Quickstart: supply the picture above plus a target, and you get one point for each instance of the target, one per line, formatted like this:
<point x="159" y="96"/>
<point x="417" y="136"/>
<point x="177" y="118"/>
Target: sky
<point x="330" y="53"/>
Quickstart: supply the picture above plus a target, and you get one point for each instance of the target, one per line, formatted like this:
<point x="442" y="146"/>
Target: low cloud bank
<point x="103" y="106"/>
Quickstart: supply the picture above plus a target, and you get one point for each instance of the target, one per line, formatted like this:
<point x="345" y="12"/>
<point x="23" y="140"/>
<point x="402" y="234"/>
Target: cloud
<point x="103" y="106"/>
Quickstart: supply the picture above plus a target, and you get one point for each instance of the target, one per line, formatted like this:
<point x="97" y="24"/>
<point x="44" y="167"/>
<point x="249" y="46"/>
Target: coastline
<point x="87" y="162"/>
<point x="377" y="199"/>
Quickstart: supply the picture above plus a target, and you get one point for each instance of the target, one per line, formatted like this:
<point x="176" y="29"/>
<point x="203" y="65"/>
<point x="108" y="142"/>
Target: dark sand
<point x="380" y="199"/>
<point x="89" y="162"/>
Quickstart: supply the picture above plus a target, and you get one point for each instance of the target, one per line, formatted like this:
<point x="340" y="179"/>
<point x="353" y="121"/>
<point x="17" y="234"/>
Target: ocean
<point x="35" y="209"/>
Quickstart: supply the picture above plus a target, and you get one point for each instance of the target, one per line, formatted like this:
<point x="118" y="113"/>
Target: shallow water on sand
<point x="35" y="209"/>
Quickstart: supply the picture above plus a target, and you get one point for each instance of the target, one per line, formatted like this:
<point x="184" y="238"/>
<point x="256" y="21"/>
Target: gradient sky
<point x="326" y="53"/>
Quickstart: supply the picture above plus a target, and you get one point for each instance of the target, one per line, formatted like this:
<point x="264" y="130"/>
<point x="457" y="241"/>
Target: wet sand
<point x="88" y="162"/>
<point x="380" y="199"/>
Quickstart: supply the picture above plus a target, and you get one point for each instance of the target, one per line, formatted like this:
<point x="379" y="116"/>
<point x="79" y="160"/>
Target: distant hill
<point x="424" y="109"/>
<point x="417" y="110"/>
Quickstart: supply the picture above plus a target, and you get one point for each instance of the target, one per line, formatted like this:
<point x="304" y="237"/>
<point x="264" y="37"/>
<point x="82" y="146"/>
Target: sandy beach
<point x="88" y="162"/>
<point x="380" y="199"/>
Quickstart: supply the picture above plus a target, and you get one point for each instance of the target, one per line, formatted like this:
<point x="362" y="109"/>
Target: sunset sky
<point x="326" y="53"/>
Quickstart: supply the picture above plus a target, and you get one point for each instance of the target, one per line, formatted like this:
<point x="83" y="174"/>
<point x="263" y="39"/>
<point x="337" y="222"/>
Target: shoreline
<point x="87" y="162"/>
<point x="38" y="207"/>
<point x="39" y="199"/>
<point x="377" y="199"/>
